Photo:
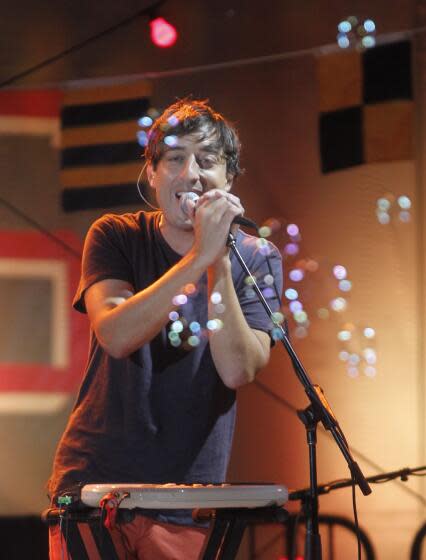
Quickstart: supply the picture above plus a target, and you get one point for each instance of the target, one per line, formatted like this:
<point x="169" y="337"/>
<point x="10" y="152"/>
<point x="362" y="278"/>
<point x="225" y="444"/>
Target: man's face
<point x="192" y="164"/>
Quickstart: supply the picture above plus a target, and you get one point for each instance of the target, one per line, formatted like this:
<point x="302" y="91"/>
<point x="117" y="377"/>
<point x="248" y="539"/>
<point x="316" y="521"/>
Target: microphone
<point x="187" y="209"/>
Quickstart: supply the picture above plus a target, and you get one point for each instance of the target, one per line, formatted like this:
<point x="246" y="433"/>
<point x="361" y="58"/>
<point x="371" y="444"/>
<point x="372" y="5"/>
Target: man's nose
<point x="192" y="170"/>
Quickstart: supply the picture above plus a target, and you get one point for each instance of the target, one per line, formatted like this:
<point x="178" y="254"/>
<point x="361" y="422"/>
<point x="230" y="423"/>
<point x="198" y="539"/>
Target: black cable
<point x="295" y="529"/>
<point x="358" y="535"/>
<point x="40" y="228"/>
<point x="78" y="46"/>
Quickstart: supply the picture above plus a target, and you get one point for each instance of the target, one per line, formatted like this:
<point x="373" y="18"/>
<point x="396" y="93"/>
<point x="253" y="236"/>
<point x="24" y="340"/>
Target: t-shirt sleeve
<point x="265" y="264"/>
<point x="104" y="256"/>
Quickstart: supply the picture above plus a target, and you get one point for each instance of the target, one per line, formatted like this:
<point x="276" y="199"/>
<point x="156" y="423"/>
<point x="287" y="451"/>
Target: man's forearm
<point x="123" y="328"/>
<point x="237" y="351"/>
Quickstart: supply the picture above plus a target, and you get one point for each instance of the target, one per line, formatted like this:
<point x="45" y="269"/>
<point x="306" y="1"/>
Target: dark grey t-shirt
<point x="162" y="414"/>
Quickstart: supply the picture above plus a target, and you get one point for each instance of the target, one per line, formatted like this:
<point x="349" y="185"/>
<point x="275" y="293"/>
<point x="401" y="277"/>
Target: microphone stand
<point x="318" y="410"/>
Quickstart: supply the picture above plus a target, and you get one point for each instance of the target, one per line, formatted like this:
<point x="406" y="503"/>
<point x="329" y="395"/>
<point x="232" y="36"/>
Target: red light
<point x="163" y="34"/>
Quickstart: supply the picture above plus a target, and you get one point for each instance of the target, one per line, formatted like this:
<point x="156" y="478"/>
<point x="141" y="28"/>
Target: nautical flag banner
<point x="30" y="112"/>
<point x="366" y="106"/>
<point x="101" y="155"/>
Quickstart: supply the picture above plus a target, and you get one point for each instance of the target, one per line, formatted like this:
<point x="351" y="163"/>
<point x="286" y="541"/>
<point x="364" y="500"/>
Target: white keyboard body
<point x="181" y="496"/>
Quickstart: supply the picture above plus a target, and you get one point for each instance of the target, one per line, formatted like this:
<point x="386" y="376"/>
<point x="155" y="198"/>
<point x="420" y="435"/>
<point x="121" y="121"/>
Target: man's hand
<point x="214" y="213"/>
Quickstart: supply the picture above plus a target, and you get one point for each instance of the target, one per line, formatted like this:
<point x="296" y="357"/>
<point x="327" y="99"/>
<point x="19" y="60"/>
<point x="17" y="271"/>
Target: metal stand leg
<point x="229" y="527"/>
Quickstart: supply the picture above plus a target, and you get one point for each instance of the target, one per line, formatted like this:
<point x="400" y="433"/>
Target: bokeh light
<point x="173" y="121"/>
<point x="145" y="121"/>
<point x="383" y="204"/>
<point x="292" y="230"/>
<point x="296" y="275"/>
<point x="344" y="26"/>
<point x="404" y="202"/>
<point x="180" y="299"/>
<point x="339" y="272"/>
<point x="323" y="313"/>
<point x="190" y="289"/>
<point x="353" y="371"/>
<point x="370" y="355"/>
<point x="264" y="231"/>
<point x="153" y="113"/>
<point x="311" y="265"/>
<point x="278" y="317"/>
<point x="301" y="332"/>
<point x="338" y="304"/>
<point x="370" y="371"/>
<point x="344" y="335"/>
<point x="354" y="359"/>
<point x="249" y="293"/>
<point x="343" y="41"/>
<point x="345" y="285"/>
<point x="177" y="326"/>
<point x="142" y="138"/>
<point x="216" y="297"/>
<point x="291" y="293"/>
<point x="193" y="340"/>
<point x="268" y="279"/>
<point x="291" y="249"/>
<point x="300" y="316"/>
<point x="173" y="315"/>
<point x="194" y="326"/>
<point x="268" y="293"/>
<point x="369" y="26"/>
<point x="277" y="333"/>
<point x="344" y="355"/>
<point x="369" y="332"/>
<point x="295" y="306"/>
<point x="173" y="335"/>
<point x="214" y="324"/>
<point x="368" y="42"/>
<point x="383" y="217"/>
<point x="171" y="140"/>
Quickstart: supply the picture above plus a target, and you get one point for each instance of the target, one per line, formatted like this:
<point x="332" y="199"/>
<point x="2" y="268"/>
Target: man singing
<point x="175" y="330"/>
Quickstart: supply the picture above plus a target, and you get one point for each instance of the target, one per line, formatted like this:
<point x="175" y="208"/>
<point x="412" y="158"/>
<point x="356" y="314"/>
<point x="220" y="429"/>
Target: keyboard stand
<point x="230" y="524"/>
<point x="75" y="545"/>
<point x="225" y="538"/>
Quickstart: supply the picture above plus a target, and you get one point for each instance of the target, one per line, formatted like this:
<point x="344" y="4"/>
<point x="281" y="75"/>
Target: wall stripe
<point x="98" y="154"/>
<point x="100" y="197"/>
<point x="86" y="96"/>
<point x="105" y="133"/>
<point x="101" y="175"/>
<point x="99" y="113"/>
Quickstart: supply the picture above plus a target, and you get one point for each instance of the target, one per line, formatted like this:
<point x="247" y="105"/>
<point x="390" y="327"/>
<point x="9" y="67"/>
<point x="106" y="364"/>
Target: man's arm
<point x="238" y="351"/>
<point x="124" y="320"/>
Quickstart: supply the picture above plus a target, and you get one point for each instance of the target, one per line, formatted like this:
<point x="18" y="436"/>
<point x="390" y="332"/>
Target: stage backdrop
<point x="373" y="379"/>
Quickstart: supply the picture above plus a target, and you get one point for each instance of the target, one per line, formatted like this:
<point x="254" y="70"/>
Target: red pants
<point x="141" y="539"/>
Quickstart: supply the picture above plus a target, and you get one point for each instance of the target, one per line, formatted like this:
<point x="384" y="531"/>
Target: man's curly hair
<point x="188" y="116"/>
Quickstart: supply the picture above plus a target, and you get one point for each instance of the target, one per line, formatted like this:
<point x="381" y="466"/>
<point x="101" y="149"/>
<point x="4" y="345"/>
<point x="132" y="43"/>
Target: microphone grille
<point x="184" y="202"/>
<point x="191" y="196"/>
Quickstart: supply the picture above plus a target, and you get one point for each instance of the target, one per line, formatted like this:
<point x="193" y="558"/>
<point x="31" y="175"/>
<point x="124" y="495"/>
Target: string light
<point x="352" y="33"/>
<point x="163" y="33"/>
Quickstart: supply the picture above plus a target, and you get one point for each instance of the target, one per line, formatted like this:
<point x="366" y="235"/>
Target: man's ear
<point x="150" y="173"/>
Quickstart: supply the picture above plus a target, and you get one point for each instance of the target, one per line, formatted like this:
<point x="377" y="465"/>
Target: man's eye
<point x="175" y="158"/>
<point x="207" y="163"/>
